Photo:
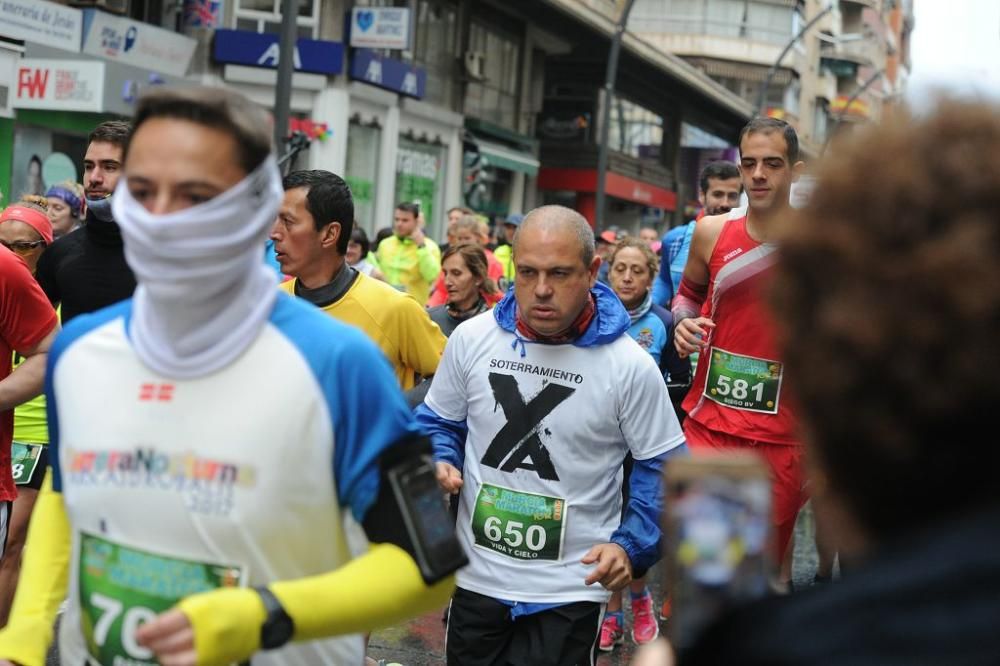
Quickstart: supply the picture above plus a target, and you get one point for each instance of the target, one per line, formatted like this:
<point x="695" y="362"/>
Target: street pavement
<point x="420" y="642"/>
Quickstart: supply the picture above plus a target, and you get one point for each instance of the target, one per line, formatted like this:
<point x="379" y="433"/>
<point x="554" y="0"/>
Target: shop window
<point x="43" y="157"/>
<point x="363" y="143"/>
<point x="492" y="194"/>
<point x="436" y="48"/>
<point x="420" y="179"/>
<point x="265" y="16"/>
<point x="494" y="97"/>
<point x="635" y="131"/>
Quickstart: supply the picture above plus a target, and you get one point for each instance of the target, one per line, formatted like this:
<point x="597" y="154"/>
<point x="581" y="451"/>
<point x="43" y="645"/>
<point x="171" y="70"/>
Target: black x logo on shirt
<point x="517" y="445"/>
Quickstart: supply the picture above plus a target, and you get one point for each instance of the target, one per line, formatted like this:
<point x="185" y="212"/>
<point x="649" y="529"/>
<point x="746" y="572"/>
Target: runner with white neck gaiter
<point x="195" y="515"/>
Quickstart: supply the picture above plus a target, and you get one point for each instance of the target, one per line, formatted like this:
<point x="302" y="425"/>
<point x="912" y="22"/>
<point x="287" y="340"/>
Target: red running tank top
<point x="746" y="396"/>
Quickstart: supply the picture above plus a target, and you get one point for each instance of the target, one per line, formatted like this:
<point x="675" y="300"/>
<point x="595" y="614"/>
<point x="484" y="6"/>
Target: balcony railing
<point x="699" y="25"/>
<point x="860" y="52"/>
<point x="873" y="4"/>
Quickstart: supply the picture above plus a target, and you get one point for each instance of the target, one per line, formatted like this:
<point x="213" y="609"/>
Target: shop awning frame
<point x="505" y="157"/>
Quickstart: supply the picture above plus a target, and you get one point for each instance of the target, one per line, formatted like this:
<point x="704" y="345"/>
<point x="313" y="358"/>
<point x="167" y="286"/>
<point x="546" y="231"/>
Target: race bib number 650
<point x="523" y="526"/>
<point x="122" y="588"/>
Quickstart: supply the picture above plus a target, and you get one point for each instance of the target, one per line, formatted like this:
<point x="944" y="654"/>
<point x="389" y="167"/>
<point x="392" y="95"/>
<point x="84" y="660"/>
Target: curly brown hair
<point x="887" y="296"/>
<point x="652" y="262"/>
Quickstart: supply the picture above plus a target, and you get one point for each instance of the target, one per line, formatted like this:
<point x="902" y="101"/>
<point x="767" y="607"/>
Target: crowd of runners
<point x="263" y="435"/>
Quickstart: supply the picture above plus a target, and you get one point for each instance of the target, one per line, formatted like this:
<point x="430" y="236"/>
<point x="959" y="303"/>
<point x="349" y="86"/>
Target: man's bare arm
<point x="690" y="329"/>
<point x="28" y="378"/>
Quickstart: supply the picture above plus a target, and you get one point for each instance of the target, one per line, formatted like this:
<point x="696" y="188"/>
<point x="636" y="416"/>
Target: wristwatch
<point x="278" y="627"/>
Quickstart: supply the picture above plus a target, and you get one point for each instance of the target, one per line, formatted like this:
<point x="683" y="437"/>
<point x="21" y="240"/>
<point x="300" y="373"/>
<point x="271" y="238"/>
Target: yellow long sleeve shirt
<point x="408" y="267"/>
<point x="395" y="322"/>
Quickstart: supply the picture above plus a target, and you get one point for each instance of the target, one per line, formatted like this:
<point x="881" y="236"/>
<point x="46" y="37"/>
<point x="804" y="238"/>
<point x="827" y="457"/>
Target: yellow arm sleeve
<point x="380" y="588"/>
<point x="43" y="583"/>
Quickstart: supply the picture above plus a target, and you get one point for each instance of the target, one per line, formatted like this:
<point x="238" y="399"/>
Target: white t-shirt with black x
<point x="547" y="434"/>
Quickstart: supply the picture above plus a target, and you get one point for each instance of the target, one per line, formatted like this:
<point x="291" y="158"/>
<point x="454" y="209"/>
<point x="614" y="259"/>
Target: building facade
<point x="850" y="61"/>
<point x="495" y="105"/>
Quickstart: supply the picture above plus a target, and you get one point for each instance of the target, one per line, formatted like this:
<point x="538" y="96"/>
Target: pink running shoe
<point x="644" y="626"/>
<point x="612" y="634"/>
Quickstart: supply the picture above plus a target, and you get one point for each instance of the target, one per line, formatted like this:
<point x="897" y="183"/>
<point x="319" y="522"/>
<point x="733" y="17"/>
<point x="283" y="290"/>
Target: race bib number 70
<point x="121" y="588"/>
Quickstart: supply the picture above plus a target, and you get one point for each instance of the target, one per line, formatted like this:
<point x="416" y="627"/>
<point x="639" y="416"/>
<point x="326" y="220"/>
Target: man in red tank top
<point x="738" y="400"/>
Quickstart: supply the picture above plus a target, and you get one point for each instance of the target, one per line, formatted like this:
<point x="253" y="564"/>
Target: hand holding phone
<point x="717" y="521"/>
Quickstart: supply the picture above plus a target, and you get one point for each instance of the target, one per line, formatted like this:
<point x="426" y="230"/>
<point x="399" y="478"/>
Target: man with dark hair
<point x="719" y="192"/>
<point x="310" y="237"/>
<point x="737" y="400"/>
<point x="86" y="271"/>
<point x="650" y="237"/>
<point x="202" y="516"/>
<point x="531" y="414"/>
<point x="409" y="260"/>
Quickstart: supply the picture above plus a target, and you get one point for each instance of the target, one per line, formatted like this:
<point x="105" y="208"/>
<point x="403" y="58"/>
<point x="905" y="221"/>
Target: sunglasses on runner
<point x="22" y="247"/>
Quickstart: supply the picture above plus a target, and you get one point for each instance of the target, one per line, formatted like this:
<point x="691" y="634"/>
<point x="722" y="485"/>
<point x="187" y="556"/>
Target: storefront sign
<point x="616" y="185"/>
<point x="139" y="44"/>
<point x="390" y="74"/>
<point x="380" y="28"/>
<point x="64" y="85"/>
<point x="259" y="49"/>
<point x="560" y="128"/>
<point x="42" y="22"/>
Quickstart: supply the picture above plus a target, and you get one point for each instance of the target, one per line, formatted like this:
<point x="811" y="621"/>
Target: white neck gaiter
<point x="203" y="290"/>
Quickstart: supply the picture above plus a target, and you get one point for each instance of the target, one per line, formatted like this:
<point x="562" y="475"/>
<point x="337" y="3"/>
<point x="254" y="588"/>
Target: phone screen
<point x="718" y="525"/>
<point x="431" y="528"/>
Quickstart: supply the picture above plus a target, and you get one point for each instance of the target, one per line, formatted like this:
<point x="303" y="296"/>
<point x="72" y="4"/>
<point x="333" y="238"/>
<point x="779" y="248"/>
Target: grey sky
<point x="956" y="43"/>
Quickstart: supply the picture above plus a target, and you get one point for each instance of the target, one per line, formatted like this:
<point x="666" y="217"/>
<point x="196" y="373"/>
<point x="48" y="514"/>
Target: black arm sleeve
<point x="45" y="273"/>
<point x="410" y="510"/>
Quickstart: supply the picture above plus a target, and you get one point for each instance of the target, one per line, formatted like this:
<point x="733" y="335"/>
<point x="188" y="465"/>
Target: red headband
<point x="35" y="219"/>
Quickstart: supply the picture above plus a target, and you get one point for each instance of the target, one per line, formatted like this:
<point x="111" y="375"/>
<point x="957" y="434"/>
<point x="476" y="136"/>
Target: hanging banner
<point x="42" y="22"/>
<point x="135" y="43"/>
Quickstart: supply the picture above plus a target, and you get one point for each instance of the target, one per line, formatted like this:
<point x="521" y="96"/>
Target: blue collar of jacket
<point x="610" y="320"/>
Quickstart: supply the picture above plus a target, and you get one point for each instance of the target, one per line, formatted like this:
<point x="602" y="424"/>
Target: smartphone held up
<point x="718" y="526"/>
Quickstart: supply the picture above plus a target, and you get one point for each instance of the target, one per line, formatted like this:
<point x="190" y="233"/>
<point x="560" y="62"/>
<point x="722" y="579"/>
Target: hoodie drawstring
<point x="522" y="341"/>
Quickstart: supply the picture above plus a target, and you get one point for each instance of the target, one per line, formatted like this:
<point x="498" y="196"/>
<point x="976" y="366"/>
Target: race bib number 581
<point x="743" y="382"/>
<point x="523" y="526"/>
<point x="121" y="588"/>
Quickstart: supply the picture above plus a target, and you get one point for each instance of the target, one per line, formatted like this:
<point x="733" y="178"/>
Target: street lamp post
<point x="609" y="91"/>
<point x="286" y="65"/>
<point x="788" y="47"/>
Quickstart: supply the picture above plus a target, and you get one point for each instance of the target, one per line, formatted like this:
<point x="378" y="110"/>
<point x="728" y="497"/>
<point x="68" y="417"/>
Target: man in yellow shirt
<point x="505" y="253"/>
<point x="409" y="260"/>
<point x="310" y="239"/>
